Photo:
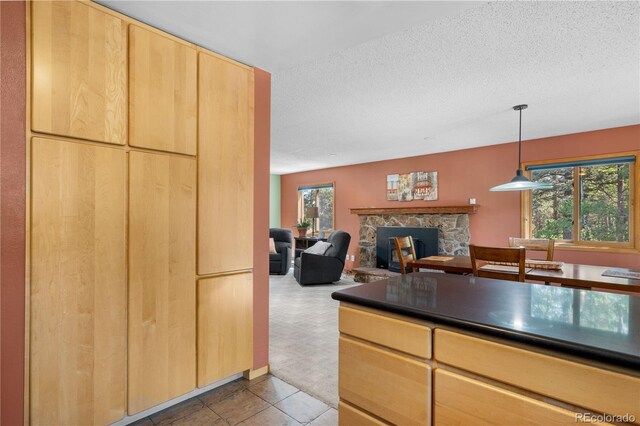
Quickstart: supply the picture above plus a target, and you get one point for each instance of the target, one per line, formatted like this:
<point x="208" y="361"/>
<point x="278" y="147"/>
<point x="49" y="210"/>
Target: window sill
<point x="601" y="249"/>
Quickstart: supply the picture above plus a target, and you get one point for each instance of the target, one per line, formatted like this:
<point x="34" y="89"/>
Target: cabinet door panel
<point x="163" y="93"/>
<point x="568" y="381"/>
<point x="391" y="386"/>
<point x="78" y="283"/>
<point x="460" y="400"/>
<point x="225" y="326"/>
<point x="79" y="72"/>
<point x="162" y="299"/>
<point x="349" y="416"/>
<point x="225" y="167"/>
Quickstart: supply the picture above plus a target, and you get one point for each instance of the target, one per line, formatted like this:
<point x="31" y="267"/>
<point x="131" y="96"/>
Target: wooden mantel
<point x="415" y="210"/>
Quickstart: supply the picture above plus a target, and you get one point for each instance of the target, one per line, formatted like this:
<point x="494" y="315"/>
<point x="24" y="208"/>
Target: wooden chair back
<point x="538" y="244"/>
<point x="514" y="256"/>
<point x="405" y="251"/>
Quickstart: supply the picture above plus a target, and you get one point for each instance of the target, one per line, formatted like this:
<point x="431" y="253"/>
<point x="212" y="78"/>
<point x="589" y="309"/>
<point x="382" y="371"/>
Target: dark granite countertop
<point x="597" y="325"/>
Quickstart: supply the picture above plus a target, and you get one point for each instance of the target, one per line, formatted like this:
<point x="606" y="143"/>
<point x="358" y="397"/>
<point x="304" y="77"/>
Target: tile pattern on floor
<point x="265" y="401"/>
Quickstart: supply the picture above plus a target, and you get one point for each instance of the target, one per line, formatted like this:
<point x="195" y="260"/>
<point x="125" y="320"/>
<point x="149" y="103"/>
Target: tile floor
<point x="265" y="401"/>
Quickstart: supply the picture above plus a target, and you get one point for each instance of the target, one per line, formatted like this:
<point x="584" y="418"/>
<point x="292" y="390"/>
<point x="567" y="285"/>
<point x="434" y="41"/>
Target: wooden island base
<point x="396" y="369"/>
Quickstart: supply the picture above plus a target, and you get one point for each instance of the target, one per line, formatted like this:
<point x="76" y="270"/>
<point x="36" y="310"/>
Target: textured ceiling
<point x="274" y="35"/>
<point x="450" y="84"/>
<point x="370" y="81"/>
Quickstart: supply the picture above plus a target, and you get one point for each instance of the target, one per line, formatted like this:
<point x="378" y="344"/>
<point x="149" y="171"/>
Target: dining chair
<point x="510" y="262"/>
<point x="406" y="252"/>
<point x="534" y="244"/>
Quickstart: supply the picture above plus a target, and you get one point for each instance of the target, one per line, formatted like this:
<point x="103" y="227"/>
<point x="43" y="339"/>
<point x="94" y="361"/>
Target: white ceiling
<point x="369" y="81"/>
<point x="275" y="35"/>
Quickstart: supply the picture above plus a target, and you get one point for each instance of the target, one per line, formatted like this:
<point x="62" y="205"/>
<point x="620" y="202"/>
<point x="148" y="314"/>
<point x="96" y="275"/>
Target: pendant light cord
<point x="520" y="142"/>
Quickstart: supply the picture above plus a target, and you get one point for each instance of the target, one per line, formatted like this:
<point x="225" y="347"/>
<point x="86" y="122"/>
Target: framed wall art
<point x="412" y="186"/>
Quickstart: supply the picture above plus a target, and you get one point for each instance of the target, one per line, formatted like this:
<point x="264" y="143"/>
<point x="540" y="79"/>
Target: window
<point x="591" y="204"/>
<point x="322" y="197"/>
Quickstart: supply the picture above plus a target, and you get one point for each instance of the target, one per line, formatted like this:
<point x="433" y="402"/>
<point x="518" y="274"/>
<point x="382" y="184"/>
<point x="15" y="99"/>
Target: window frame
<point x="315" y="228"/>
<point x="633" y="246"/>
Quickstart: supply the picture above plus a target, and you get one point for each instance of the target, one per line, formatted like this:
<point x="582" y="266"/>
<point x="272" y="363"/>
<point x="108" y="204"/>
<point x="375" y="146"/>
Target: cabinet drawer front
<point x="387" y="385"/>
<point x="461" y="400"/>
<point x="582" y="385"/>
<point x="404" y="336"/>
<point x="349" y="416"/>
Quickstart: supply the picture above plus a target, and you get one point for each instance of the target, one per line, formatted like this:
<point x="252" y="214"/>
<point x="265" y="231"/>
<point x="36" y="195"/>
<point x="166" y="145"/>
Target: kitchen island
<point x="432" y="348"/>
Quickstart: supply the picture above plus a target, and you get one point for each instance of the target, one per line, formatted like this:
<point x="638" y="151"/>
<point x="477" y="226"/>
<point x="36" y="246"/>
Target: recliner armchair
<point x="323" y="269"/>
<point x="280" y="262"/>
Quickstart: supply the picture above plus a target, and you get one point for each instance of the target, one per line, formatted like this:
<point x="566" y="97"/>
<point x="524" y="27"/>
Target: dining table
<point x="569" y="274"/>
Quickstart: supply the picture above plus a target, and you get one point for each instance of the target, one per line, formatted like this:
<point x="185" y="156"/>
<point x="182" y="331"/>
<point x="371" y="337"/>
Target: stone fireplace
<point x="452" y="224"/>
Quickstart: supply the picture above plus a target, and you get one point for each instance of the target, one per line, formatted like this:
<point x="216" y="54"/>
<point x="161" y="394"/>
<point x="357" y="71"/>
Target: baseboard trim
<point x="135" y="417"/>
<point x="253" y="374"/>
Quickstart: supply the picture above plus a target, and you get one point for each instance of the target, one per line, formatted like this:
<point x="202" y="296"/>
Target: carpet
<point x="303" y="335"/>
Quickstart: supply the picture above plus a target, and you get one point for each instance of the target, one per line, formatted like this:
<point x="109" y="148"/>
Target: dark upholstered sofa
<point x="323" y="269"/>
<point x="280" y="262"/>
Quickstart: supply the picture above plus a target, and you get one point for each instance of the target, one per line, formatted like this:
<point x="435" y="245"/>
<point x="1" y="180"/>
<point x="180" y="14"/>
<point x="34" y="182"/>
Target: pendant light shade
<point x="520" y="182"/>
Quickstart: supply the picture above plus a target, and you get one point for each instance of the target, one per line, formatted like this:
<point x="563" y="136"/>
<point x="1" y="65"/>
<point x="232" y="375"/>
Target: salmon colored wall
<point x="462" y="175"/>
<point x="12" y="210"/>
<point x="262" y="138"/>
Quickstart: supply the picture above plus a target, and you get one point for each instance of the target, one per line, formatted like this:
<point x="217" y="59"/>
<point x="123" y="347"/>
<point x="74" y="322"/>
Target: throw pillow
<point x="272" y="246"/>
<point x="320" y="248"/>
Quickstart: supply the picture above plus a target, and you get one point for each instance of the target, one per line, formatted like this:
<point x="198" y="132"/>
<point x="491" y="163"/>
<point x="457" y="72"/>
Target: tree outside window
<point x="321" y="196"/>
<point x="591" y="203"/>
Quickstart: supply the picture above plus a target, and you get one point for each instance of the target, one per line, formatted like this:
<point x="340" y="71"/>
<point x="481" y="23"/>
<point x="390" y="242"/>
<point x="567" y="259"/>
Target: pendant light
<point x="520" y="182"/>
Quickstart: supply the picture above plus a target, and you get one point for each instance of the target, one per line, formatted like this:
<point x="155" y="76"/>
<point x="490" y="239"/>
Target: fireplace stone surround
<point x="453" y="235"/>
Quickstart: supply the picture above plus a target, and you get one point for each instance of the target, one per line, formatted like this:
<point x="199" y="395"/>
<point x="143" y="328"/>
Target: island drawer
<point x="403" y="335"/>
<point x="459" y="400"/>
<point x="568" y="381"/>
<point x="390" y="386"/>
<point x="350" y="416"/>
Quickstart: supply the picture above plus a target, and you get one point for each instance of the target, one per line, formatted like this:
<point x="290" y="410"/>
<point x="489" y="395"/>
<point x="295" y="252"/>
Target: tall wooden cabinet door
<point x="225" y="326"/>
<point x="225" y="166"/>
<point x="162" y="295"/>
<point x="79" y="72"/>
<point x="163" y="92"/>
<point x="78" y="283"/>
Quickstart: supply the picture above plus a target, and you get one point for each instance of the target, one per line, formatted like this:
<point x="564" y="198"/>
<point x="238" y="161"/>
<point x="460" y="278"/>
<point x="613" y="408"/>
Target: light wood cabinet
<point x="225" y="166"/>
<point x="225" y="326"/>
<point x="79" y="72"/>
<point x="117" y="320"/>
<point x="78" y="283"/>
<point x="400" y="334"/>
<point x="391" y="386"/>
<point x="350" y="415"/>
<point x="459" y="400"/>
<point x="384" y="376"/>
<point x="162" y="295"/>
<point x="572" y="382"/>
<point x="163" y="92"/>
